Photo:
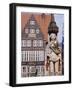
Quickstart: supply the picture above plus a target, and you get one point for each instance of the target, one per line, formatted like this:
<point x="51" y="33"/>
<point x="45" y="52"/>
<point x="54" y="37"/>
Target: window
<point x="38" y="70"/>
<point x="37" y="30"/>
<point x="40" y="43"/>
<point x="28" y="43"/>
<point x="32" y="35"/>
<point x="42" y="70"/>
<point x="32" y="56"/>
<point x="24" y="69"/>
<point x="34" y="43"/>
<point x="32" y="22"/>
<point x="37" y="55"/>
<point x="32" y="69"/>
<point x="32" y="31"/>
<point x="29" y="55"/>
<point x="41" y="55"/>
<point x="26" y="30"/>
<point x="23" y="43"/>
<point x="23" y="55"/>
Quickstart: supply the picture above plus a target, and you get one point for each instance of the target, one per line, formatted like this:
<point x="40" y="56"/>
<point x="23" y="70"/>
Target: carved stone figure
<point x="53" y="51"/>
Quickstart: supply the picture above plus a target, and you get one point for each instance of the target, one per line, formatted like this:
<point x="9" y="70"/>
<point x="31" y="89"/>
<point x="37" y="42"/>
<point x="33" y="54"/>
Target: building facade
<point x="33" y="49"/>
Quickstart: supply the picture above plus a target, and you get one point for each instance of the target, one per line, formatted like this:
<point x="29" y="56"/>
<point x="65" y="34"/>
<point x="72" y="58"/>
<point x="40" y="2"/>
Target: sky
<point x="59" y="18"/>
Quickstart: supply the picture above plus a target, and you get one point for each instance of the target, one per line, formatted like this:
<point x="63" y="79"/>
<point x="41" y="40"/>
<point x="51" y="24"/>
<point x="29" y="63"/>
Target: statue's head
<point x="52" y="37"/>
<point x="53" y="40"/>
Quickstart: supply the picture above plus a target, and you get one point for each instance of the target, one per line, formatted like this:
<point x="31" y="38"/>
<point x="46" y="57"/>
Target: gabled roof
<point x="42" y="20"/>
<point x="28" y="25"/>
<point x="34" y="26"/>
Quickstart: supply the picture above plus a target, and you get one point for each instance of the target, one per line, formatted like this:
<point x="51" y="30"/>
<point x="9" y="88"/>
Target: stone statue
<point x="53" y="55"/>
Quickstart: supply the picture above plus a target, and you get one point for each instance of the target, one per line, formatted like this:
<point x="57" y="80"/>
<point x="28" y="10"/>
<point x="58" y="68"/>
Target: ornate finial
<point x="53" y="28"/>
<point x="32" y="17"/>
<point x="52" y="18"/>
